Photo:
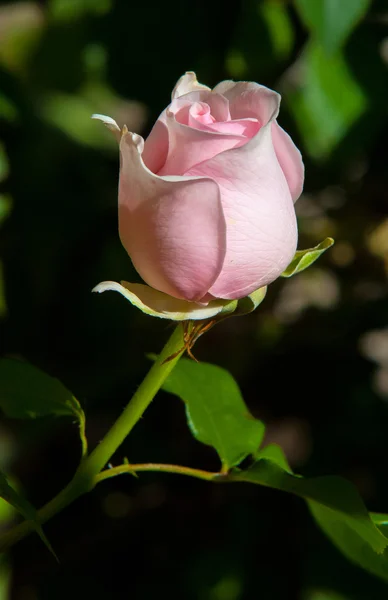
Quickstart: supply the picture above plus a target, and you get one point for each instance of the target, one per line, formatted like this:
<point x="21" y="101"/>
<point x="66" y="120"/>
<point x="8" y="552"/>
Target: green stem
<point x="85" y="477"/>
<point x="178" y="469"/>
<point x="136" y="407"/>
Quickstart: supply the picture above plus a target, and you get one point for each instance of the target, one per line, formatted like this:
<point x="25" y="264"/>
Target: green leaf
<point x="10" y="495"/>
<point x="216" y="412"/>
<point x="334" y="503"/>
<point x="381" y="520"/>
<point x="331" y="21"/>
<point x="28" y="393"/>
<point x="347" y="540"/>
<point x="304" y="258"/>
<point x="326" y="100"/>
<point x="275" y="453"/>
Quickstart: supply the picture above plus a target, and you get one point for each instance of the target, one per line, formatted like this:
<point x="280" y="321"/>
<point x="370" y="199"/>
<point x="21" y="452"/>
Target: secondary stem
<point x="162" y="468"/>
<point x="85" y="477"/>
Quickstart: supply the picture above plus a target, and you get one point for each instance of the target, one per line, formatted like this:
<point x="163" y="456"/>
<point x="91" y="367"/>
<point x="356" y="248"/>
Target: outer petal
<point x="247" y="99"/>
<point x="187" y="83"/>
<point x="173" y="228"/>
<point x="259" y="213"/>
<point x="290" y="160"/>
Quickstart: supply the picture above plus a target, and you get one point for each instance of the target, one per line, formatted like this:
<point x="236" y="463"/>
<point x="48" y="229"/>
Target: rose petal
<point x="109" y="123"/>
<point x="157" y="304"/>
<point x="244" y="128"/>
<point x="189" y="146"/>
<point x="260" y="217"/>
<point x="199" y="114"/>
<point x="219" y="106"/>
<point x="156" y="147"/>
<point x="173" y="228"/>
<point x="249" y="99"/>
<point x="187" y="83"/>
<point x="290" y="160"/>
<point x="180" y="107"/>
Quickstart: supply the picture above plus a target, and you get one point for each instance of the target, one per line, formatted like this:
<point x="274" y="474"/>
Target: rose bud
<point x="206" y="202"/>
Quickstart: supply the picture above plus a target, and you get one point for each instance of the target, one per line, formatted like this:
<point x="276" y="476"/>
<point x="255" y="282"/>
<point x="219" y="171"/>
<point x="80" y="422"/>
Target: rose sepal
<point x="158" y="304"/>
<point x="305" y="258"/>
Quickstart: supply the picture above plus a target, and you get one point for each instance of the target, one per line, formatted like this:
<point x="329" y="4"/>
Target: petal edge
<point x="172" y="227"/>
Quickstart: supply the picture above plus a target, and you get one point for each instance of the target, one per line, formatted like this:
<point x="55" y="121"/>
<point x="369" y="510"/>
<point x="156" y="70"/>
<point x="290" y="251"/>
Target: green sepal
<point x="249" y="303"/>
<point x="305" y="258"/>
<point x="158" y="304"/>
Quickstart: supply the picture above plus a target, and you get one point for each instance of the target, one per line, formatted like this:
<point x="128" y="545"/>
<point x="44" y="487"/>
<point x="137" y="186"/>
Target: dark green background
<point x="300" y="360"/>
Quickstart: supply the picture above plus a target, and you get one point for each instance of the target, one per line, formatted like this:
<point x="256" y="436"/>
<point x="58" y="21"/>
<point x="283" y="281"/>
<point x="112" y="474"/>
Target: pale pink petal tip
<point x="138" y="141"/>
<point x="186" y="84"/>
<point x="110" y="124"/>
<point x="108" y="121"/>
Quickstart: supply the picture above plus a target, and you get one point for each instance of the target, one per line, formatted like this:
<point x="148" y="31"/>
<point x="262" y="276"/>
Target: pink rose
<point x="206" y="202"/>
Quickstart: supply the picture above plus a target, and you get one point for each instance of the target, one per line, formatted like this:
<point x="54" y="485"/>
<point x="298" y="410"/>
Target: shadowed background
<point x="312" y="362"/>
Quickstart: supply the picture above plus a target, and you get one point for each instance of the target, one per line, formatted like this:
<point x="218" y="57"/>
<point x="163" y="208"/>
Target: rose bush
<point x="206" y="202"/>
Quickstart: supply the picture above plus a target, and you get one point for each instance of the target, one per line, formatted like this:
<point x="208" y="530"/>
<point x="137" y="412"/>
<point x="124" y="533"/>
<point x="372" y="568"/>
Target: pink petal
<point x="156" y="147"/>
<point x="186" y="84"/>
<point x="249" y="99"/>
<point x="199" y="114"/>
<point x="188" y="146"/>
<point x="245" y="128"/>
<point x="173" y="228"/>
<point x="290" y="160"/>
<point x="180" y="107"/>
<point x="259" y="214"/>
<point x="219" y="106"/>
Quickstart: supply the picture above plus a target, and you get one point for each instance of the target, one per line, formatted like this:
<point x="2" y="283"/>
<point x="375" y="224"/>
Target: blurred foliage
<point x="312" y="362"/>
<point x="331" y="21"/>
